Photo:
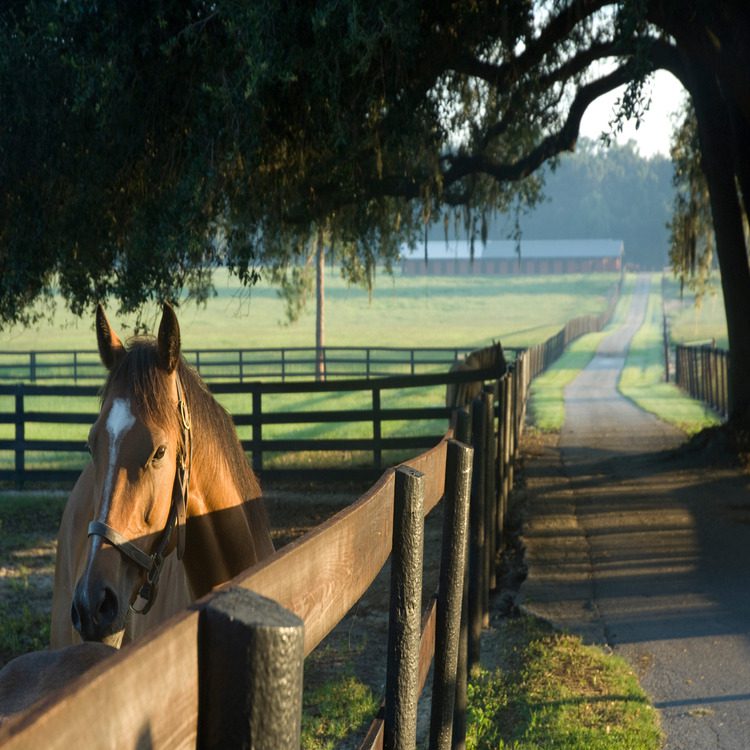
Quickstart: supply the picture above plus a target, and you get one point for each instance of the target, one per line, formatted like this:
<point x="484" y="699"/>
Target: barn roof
<point x="439" y="249"/>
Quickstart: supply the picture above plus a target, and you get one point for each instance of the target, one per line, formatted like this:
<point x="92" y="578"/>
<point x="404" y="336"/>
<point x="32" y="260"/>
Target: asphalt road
<point x="646" y="550"/>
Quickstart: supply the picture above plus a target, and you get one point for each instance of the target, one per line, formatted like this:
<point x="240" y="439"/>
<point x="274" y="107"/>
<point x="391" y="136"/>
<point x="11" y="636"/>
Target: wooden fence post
<point x="477" y="582"/>
<point x="377" y="429"/>
<point x="463" y="435"/>
<point x="20" y="445"/>
<point x="257" y="429"/>
<point x="462" y="430"/>
<point x="404" y="631"/>
<point x="490" y="498"/>
<point x="251" y="653"/>
<point x="452" y="568"/>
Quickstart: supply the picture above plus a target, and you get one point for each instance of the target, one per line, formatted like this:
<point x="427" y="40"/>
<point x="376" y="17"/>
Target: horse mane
<point x="215" y="439"/>
<point x="461" y="394"/>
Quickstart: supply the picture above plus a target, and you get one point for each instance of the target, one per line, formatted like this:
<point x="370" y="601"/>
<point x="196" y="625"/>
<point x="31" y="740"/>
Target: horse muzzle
<point x="98" y="613"/>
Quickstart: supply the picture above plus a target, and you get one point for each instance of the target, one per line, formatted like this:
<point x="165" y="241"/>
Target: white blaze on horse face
<point x="119" y="422"/>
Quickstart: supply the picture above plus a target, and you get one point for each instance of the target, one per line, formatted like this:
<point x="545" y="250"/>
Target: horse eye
<point x="160" y="451"/>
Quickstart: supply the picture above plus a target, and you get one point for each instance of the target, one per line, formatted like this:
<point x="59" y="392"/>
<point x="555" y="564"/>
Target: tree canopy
<point x="144" y="144"/>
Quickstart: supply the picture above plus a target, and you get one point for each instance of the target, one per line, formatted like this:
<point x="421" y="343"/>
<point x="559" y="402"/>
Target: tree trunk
<point x="715" y="132"/>
<point x="320" y="364"/>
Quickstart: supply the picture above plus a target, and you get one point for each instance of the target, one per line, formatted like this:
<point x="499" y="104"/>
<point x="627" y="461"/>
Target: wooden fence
<point x="165" y="691"/>
<point x="703" y="372"/>
<point x="241" y="365"/>
<point x="227" y="672"/>
<point x="259" y="415"/>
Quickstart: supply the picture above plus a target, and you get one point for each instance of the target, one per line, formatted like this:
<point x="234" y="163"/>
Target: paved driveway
<point x="647" y="550"/>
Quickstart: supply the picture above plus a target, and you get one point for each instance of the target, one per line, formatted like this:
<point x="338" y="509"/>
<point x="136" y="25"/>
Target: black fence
<point x="257" y="416"/>
<point x="703" y="372"/>
<point x="242" y="365"/>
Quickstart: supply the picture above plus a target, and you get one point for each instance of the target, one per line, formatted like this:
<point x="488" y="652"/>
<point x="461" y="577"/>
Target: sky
<point x="654" y="132"/>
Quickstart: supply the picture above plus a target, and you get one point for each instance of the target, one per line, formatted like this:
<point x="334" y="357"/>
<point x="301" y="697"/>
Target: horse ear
<point x="169" y="339"/>
<point x="111" y="349"/>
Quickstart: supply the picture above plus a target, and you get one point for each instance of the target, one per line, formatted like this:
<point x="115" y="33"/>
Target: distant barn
<point x="499" y="257"/>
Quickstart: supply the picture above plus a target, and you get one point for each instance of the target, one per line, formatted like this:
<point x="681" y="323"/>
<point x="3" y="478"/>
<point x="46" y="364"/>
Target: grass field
<point x="444" y="311"/>
<point x="402" y="311"/>
<point x="689" y="323"/>
<point x="642" y="379"/>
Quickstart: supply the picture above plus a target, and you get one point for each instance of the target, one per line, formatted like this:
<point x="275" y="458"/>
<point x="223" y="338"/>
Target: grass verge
<point x="642" y="378"/>
<point x="546" y="406"/>
<point x="546" y="402"/>
<point x="552" y="692"/>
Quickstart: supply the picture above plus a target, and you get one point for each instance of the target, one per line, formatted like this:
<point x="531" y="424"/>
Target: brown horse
<point x="33" y="676"/>
<point x="167" y="476"/>
<point x="462" y="394"/>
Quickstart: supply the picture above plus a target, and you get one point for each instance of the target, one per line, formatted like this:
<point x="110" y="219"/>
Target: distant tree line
<point x="597" y="192"/>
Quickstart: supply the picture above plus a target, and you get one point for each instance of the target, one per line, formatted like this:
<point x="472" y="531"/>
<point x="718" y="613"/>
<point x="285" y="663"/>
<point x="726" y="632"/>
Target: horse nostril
<point x="98" y="621"/>
<point x="108" y="608"/>
<point x="75" y="617"/>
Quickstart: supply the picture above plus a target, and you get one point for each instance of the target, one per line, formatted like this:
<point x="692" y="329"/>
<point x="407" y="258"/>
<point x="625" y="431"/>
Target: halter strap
<point x="152" y="564"/>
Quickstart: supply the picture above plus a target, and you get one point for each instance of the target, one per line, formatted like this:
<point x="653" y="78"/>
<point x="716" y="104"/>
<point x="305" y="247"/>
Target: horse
<point x="167" y="505"/>
<point x="462" y="394"/>
<point x="31" y="677"/>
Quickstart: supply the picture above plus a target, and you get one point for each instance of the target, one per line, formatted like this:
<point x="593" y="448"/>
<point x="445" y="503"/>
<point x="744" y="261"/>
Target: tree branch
<point x="507" y="73"/>
<point x="564" y="140"/>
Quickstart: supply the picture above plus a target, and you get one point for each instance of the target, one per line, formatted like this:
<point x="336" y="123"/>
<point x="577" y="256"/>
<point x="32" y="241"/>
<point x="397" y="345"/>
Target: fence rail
<point x="318" y="579"/>
<point x="258" y="416"/>
<point x="241" y="365"/>
<point x="703" y="372"/>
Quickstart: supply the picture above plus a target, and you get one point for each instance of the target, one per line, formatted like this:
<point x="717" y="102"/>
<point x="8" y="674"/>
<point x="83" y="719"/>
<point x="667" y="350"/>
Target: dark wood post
<point x="490" y="498"/>
<point x="463" y="425"/>
<point x="404" y="631"/>
<point x="377" y="430"/>
<point x="452" y="569"/>
<point x="20" y="446"/>
<point x="477" y="581"/>
<point x="257" y="429"/>
<point x="251" y="654"/>
<point x="463" y="435"/>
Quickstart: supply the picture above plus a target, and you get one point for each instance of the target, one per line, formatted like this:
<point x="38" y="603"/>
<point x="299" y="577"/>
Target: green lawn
<point x="554" y="692"/>
<point x="402" y="311"/>
<point x="689" y="323"/>
<point x="467" y="312"/>
<point x="642" y="379"/>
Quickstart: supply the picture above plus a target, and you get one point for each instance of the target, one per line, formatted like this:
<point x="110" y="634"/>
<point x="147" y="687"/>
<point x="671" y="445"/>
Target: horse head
<point x="140" y="452"/>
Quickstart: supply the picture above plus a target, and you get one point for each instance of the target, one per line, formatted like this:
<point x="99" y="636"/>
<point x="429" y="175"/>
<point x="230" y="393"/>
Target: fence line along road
<point x="281" y="363"/>
<point x="703" y="372"/>
<point x="163" y="691"/>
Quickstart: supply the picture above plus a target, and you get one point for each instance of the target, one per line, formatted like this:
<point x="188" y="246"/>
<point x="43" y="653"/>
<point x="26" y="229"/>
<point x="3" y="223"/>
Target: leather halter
<point x="152" y="564"/>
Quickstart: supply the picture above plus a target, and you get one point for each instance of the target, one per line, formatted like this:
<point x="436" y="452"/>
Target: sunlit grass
<point x="464" y="311"/>
<point x="333" y="711"/>
<point x="691" y="323"/>
<point x="555" y="693"/>
<point x="546" y="402"/>
<point x="642" y="378"/>
<point x="546" y="407"/>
